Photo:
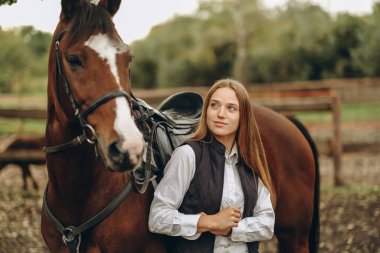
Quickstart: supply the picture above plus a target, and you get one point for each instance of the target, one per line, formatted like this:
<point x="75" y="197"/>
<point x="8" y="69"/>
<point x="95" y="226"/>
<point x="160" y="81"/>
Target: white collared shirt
<point x="164" y="217"/>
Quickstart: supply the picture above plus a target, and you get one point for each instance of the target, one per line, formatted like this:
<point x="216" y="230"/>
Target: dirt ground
<point x="350" y="215"/>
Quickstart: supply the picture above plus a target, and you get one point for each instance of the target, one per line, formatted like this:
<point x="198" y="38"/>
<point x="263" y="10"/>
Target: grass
<point x="351" y="189"/>
<point x="22" y="127"/>
<point x="351" y="113"/>
<point x="371" y="192"/>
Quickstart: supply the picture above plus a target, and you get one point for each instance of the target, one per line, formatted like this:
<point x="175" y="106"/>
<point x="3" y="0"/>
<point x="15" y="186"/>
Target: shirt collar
<point x="233" y="153"/>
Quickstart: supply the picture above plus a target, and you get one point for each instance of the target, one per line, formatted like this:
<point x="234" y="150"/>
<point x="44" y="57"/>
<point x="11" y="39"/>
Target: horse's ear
<point x="69" y="7"/>
<point x="111" y="5"/>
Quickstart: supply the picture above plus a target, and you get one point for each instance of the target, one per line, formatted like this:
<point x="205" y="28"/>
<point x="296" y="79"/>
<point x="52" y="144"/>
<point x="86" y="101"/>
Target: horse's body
<point x="293" y="164"/>
<point x="89" y="56"/>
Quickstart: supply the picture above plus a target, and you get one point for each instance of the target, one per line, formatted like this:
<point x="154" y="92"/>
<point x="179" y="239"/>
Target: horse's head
<point x="89" y="85"/>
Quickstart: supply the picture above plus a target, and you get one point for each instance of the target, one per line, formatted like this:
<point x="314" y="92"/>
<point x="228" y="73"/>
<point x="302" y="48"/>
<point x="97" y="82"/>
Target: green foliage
<point x="366" y="56"/>
<point x="346" y="33"/>
<point x="224" y="38"/>
<point x="23" y="57"/>
<point x="299" y="42"/>
<point x="298" y="49"/>
<point x="9" y="2"/>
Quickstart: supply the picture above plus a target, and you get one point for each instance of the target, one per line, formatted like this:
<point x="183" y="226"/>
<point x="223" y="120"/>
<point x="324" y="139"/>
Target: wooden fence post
<point x="337" y="141"/>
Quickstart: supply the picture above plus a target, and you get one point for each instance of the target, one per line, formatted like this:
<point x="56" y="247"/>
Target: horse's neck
<point x="74" y="168"/>
<point x="77" y="177"/>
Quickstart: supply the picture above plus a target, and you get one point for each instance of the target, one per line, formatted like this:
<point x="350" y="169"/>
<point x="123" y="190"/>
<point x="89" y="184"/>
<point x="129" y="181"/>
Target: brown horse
<point x="89" y="102"/>
<point x="293" y="162"/>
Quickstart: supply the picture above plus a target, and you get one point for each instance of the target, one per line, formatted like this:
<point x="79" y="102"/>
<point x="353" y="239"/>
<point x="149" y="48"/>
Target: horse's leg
<point x="291" y="243"/>
<point x="2" y="165"/>
<point x="24" y="168"/>
<point x="28" y="174"/>
<point x="294" y="213"/>
<point x="293" y="222"/>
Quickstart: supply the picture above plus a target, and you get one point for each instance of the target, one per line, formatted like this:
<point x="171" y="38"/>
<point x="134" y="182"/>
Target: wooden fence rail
<point x="285" y="102"/>
<point x="319" y="104"/>
<point x="23" y="113"/>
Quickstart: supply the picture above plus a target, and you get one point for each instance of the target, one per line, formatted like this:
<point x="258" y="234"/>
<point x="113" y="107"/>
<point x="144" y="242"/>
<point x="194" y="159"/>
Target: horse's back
<point x="293" y="170"/>
<point x="280" y="136"/>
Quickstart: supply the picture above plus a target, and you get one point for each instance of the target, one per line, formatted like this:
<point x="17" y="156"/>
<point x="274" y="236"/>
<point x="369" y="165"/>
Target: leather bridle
<point x="88" y="133"/>
<point x="72" y="235"/>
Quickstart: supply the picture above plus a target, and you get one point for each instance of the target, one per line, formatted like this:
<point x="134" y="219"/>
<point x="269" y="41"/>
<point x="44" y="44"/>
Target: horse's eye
<point x="74" y="61"/>
<point x="132" y="56"/>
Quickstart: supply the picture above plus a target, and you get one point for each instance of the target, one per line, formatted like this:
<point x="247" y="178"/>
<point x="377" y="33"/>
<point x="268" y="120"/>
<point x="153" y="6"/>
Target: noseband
<point x="88" y="133"/>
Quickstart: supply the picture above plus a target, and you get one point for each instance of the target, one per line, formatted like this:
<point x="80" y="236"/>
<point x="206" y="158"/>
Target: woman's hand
<point x="220" y="223"/>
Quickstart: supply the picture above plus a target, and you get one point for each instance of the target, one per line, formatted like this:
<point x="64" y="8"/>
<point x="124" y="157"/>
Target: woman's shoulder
<point x="184" y="150"/>
<point x="183" y="156"/>
<point x="185" y="147"/>
<point x="195" y="145"/>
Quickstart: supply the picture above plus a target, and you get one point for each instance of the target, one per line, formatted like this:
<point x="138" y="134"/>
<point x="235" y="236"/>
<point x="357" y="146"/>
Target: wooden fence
<point x="320" y="102"/>
<point x="284" y="101"/>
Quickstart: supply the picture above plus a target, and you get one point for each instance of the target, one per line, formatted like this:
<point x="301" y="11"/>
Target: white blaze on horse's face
<point x="132" y="139"/>
<point x="126" y="128"/>
<point x="96" y="2"/>
<point x="107" y="50"/>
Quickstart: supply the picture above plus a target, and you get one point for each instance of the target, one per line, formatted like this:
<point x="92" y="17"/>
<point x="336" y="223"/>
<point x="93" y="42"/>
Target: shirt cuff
<point x="237" y="235"/>
<point x="188" y="224"/>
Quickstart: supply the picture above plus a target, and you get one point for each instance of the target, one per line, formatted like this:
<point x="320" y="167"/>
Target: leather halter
<point x="88" y="133"/>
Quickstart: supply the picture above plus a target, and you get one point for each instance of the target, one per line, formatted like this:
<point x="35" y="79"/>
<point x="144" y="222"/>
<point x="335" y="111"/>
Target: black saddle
<point x="164" y="129"/>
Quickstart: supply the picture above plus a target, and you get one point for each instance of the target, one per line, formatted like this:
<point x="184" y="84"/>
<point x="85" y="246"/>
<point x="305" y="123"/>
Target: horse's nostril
<point x="120" y="159"/>
<point x="114" y="153"/>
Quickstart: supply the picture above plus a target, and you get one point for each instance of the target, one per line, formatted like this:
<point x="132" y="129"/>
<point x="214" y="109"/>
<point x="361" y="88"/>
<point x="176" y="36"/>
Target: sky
<point x="136" y="17"/>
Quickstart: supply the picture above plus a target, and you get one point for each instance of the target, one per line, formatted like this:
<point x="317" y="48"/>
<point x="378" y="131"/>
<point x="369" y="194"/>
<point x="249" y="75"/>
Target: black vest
<point x="205" y="194"/>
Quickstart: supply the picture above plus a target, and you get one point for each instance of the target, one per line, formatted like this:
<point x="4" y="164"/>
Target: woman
<point x="215" y="193"/>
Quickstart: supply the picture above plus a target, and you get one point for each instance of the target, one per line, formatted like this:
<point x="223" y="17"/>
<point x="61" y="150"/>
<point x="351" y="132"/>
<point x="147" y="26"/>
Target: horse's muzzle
<point x="122" y="160"/>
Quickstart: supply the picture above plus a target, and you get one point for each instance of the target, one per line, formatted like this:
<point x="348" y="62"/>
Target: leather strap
<point x="72" y="235"/>
<point x="104" y="99"/>
<point x="74" y="142"/>
<point x="141" y="184"/>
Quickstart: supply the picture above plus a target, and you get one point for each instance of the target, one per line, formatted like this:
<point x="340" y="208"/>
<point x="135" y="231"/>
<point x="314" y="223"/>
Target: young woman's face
<point x="223" y="113"/>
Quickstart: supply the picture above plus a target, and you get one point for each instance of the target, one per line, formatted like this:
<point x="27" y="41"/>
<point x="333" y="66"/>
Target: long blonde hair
<point x="248" y="132"/>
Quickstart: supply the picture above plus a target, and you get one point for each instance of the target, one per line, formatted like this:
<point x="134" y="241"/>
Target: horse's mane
<point x="88" y="20"/>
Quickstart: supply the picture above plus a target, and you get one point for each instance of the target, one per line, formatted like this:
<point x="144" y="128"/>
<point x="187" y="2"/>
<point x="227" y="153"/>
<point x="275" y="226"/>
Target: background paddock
<point x="350" y="214"/>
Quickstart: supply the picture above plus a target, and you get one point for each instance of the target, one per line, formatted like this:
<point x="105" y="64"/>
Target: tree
<point x="240" y="39"/>
<point x="23" y="59"/>
<point x="14" y="61"/>
<point x="346" y="32"/>
<point x="296" y="45"/>
<point x="367" y="55"/>
<point x="9" y="2"/>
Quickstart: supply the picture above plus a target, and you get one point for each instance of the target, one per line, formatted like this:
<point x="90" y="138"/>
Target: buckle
<point x="89" y="131"/>
<point x="68" y="235"/>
